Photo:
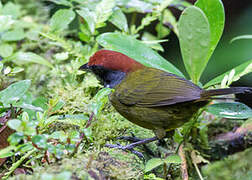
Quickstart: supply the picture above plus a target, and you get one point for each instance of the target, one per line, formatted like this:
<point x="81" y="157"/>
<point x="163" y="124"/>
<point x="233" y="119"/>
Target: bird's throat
<point x="109" y="78"/>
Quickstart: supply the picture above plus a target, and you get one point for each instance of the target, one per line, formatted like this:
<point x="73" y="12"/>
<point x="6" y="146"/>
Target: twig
<point x="184" y="171"/>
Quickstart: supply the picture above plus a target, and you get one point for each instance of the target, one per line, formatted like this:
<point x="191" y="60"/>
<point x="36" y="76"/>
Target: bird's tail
<point x="225" y="91"/>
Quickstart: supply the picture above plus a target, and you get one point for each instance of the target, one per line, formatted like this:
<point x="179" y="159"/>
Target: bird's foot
<point x="130" y="147"/>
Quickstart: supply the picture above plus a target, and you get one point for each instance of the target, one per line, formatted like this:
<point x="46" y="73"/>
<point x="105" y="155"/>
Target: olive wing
<point x="150" y="87"/>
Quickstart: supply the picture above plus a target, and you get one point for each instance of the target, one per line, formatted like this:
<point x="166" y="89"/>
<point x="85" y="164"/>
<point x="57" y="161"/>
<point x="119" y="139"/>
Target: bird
<point x="149" y="97"/>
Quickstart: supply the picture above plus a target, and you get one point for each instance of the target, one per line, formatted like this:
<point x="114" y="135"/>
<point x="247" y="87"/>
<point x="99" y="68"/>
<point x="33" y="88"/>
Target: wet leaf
<point x="136" y="50"/>
<point x="232" y="110"/>
<point x="194" y="39"/>
<point x="214" y="11"/>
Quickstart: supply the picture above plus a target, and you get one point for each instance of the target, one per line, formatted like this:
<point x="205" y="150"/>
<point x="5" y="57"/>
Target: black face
<point x="108" y="77"/>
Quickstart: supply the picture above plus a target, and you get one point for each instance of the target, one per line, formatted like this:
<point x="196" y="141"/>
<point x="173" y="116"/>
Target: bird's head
<point x="110" y="67"/>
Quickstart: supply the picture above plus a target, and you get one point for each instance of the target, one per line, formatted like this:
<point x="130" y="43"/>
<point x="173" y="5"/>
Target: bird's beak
<point x="84" y="67"/>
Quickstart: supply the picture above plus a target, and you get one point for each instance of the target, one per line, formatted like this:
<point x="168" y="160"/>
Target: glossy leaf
<point x="61" y="19"/>
<point x="214" y="11"/>
<point x="24" y="57"/>
<point x="194" y="38"/>
<point x="241" y="37"/>
<point x="232" y="110"/>
<point x="153" y="163"/>
<point x="119" y="19"/>
<point x="240" y="71"/>
<point x="14" y="92"/>
<point x="136" y="50"/>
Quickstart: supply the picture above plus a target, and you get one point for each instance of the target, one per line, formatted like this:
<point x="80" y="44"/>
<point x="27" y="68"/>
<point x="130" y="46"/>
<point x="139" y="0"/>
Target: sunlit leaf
<point x="194" y="38"/>
<point x="240" y="71"/>
<point x="136" y="50"/>
<point x="232" y="110"/>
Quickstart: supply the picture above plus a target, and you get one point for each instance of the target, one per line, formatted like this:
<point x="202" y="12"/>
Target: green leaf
<point x="162" y="30"/>
<point x="103" y="11"/>
<point x="241" y="37"/>
<point x="1" y="66"/>
<point x="14" y="35"/>
<point x="5" y="23"/>
<point x="215" y="13"/>
<point x="7" y="152"/>
<point x="58" y="106"/>
<point x="136" y="50"/>
<point x="14" y="124"/>
<point x="40" y="141"/>
<point x="14" y="92"/>
<point x="61" y="19"/>
<point x="153" y="163"/>
<point x="11" y="9"/>
<point x="233" y="110"/>
<point x="6" y="50"/>
<point x="24" y="57"/>
<point x="119" y="19"/>
<point x="173" y="159"/>
<point x="89" y="17"/>
<point x="194" y="38"/>
<point x="171" y="19"/>
<point x="240" y="71"/>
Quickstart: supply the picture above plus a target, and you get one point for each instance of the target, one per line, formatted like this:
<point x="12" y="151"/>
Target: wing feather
<point x="150" y="87"/>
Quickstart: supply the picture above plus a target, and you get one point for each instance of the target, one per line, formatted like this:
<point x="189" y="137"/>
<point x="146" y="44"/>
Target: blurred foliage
<point x="61" y="115"/>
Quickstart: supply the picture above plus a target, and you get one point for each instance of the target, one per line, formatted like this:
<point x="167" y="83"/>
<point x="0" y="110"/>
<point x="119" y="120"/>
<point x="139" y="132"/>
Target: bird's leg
<point x="130" y="147"/>
<point x="133" y="138"/>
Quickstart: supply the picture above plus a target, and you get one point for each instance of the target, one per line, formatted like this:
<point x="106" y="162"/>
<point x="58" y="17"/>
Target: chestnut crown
<point x="110" y="67"/>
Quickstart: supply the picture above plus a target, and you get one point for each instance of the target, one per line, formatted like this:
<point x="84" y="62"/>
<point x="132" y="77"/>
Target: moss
<point x="238" y="166"/>
<point x="90" y="165"/>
